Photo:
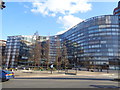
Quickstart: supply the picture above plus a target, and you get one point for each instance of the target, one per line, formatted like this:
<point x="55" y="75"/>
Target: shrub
<point x="41" y="68"/>
<point x="54" y="69"/>
<point x="10" y="69"/>
<point x="36" y="68"/>
<point x="48" y="69"/>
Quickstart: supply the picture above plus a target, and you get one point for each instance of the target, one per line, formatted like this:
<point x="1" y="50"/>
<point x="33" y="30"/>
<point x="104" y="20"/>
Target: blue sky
<point x="25" y="18"/>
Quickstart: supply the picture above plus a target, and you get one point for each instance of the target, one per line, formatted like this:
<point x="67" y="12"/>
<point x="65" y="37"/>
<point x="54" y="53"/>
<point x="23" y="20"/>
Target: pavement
<point x="44" y="79"/>
<point x="70" y="74"/>
<point x="59" y="83"/>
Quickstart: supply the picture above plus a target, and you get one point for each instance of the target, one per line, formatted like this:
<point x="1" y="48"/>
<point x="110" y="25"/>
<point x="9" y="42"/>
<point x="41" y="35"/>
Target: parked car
<point x="6" y="75"/>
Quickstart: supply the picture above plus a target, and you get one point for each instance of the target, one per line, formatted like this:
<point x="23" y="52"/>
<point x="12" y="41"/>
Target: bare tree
<point x="31" y="54"/>
<point x="46" y="50"/>
<point x="35" y="52"/>
<point x="64" y="57"/>
<point x="58" y="53"/>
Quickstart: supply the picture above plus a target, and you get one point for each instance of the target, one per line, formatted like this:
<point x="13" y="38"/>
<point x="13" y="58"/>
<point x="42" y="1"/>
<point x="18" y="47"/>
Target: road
<point x="59" y="83"/>
<point x="43" y="79"/>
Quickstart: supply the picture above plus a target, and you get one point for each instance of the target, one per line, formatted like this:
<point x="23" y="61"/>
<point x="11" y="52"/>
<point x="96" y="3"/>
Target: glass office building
<point x="17" y="48"/>
<point x="94" y="41"/>
<point x="117" y="10"/>
<point x="2" y="51"/>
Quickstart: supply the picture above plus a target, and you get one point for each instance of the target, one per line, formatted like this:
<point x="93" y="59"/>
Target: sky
<point x="49" y="17"/>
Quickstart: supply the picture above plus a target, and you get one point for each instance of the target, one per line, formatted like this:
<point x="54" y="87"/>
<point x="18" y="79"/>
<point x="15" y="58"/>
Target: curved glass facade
<point x="117" y="10"/>
<point x="94" y="41"/>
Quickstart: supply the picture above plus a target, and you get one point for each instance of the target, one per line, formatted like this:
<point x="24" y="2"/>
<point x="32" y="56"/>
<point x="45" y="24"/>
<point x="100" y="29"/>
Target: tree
<point x="58" y="53"/>
<point x="64" y="57"/>
<point x="31" y="56"/>
<point x="35" y="50"/>
<point x="37" y="53"/>
<point x="46" y="50"/>
<point x="87" y="62"/>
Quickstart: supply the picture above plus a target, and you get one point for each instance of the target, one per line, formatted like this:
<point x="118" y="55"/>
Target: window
<point x="103" y="42"/>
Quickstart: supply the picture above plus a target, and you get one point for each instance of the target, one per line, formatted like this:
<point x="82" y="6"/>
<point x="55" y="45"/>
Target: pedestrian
<point x="98" y="69"/>
<point x="107" y="68"/>
<point x="16" y="68"/>
<point x="29" y="69"/>
<point x="101" y="69"/>
<point x="51" y="66"/>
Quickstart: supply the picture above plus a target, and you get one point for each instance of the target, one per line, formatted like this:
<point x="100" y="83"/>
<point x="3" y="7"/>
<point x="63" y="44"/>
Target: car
<point x="6" y="75"/>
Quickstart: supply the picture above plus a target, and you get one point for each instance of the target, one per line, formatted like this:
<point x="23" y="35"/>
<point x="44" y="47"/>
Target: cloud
<point x="65" y="10"/>
<point x="25" y="11"/>
<point x="61" y="32"/>
<point x="69" y="21"/>
<point x="26" y="6"/>
<point x="53" y="7"/>
<point x="40" y="0"/>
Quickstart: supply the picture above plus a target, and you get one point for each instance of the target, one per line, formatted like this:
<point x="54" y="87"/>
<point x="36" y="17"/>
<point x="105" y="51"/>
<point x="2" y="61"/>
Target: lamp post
<point x="94" y="64"/>
<point x="118" y="62"/>
<point x="75" y="64"/>
<point x="106" y="66"/>
<point x="75" y="53"/>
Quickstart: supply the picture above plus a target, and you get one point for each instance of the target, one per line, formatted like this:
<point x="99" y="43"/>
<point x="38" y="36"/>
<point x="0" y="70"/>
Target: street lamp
<point x="75" y="64"/>
<point x="107" y="67"/>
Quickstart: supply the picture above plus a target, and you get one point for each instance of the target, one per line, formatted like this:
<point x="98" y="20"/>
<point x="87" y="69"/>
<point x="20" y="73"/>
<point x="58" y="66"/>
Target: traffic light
<point x="2" y="5"/>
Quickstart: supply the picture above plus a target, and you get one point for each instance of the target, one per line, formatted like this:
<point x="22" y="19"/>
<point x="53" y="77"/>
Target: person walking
<point x="51" y="66"/>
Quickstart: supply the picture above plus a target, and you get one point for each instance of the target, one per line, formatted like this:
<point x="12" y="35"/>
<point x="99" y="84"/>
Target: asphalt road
<point x="59" y="83"/>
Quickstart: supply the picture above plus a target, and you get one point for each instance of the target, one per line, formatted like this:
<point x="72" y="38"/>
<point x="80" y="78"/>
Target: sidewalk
<point x="27" y="73"/>
<point x="80" y="74"/>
